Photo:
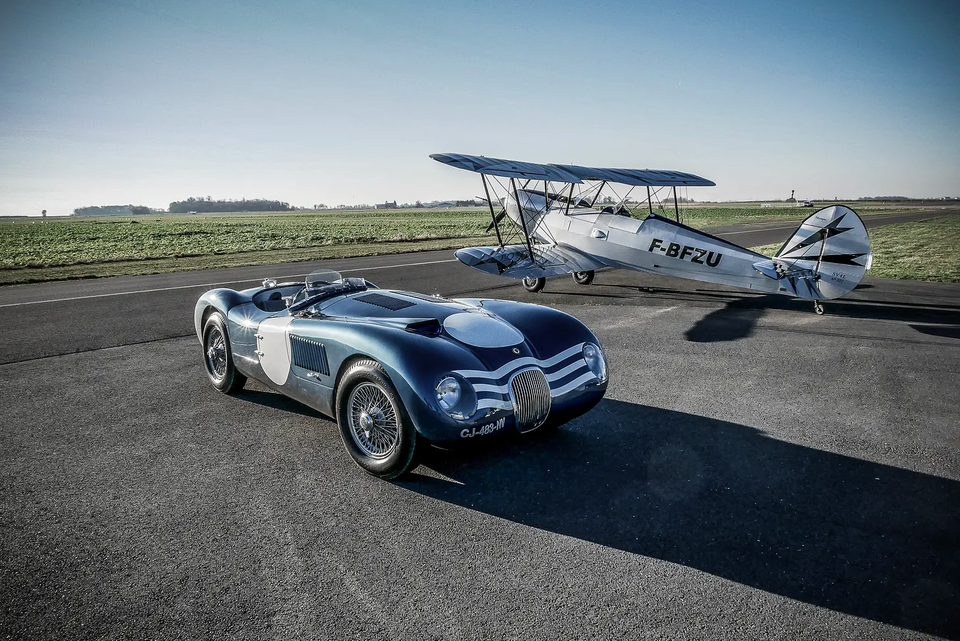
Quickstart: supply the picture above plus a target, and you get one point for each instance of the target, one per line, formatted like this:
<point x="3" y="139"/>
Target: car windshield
<point x="322" y="277"/>
<point x="324" y="284"/>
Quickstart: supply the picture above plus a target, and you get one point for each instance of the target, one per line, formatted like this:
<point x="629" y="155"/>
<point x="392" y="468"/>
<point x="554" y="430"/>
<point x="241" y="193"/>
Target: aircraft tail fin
<point x="825" y="258"/>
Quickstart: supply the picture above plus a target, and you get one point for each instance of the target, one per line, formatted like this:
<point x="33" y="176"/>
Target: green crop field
<point x="34" y="250"/>
<point x="921" y="250"/>
<point x="51" y="243"/>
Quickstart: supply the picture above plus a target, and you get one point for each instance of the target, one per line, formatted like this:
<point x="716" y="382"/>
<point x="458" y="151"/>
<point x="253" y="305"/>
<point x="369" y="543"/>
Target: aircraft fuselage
<point x="656" y="245"/>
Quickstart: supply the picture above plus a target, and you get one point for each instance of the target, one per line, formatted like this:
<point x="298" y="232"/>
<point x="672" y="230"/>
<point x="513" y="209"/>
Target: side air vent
<point x="387" y="302"/>
<point x="309" y="355"/>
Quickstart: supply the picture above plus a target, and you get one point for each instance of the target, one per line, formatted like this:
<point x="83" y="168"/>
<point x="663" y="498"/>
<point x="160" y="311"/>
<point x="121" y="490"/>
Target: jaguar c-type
<point x="400" y="370"/>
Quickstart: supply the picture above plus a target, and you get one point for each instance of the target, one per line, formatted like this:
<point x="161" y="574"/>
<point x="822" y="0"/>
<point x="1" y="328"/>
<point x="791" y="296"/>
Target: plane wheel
<point x="818" y="308"/>
<point x="583" y="278"/>
<point x="534" y="285"/>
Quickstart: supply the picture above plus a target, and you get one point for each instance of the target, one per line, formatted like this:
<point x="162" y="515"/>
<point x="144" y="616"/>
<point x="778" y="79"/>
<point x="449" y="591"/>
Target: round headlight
<point x="448" y="393"/>
<point x="593" y="355"/>
<point x="456" y="398"/>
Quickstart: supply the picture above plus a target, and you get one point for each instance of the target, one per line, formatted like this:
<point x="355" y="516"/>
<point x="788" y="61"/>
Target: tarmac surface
<point x="755" y="471"/>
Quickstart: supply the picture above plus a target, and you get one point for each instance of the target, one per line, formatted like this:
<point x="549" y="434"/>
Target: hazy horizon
<point x="105" y="103"/>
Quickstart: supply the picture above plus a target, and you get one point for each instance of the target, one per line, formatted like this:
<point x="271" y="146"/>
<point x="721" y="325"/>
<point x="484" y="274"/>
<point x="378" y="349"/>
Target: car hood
<point x="465" y="323"/>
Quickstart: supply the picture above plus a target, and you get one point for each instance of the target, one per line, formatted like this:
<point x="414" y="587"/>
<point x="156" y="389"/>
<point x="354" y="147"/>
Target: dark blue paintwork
<point x="350" y="329"/>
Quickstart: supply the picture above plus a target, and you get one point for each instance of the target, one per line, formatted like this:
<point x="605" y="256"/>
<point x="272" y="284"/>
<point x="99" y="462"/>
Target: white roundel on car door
<point x="273" y="348"/>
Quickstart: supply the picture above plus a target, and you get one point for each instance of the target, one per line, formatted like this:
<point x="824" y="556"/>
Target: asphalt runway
<point x="755" y="471"/>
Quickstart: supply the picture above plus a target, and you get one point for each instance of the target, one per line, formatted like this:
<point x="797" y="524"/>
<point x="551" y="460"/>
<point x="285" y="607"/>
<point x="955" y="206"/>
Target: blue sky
<point x="105" y="102"/>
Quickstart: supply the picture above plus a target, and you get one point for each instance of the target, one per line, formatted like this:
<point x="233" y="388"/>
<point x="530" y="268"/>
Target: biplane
<point x="560" y="222"/>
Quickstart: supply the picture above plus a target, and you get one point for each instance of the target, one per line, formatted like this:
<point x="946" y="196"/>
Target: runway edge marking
<point x="226" y="282"/>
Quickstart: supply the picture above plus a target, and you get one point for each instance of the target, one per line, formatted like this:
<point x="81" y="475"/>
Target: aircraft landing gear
<point x="583" y="278"/>
<point x="818" y="308"/>
<point x="534" y="285"/>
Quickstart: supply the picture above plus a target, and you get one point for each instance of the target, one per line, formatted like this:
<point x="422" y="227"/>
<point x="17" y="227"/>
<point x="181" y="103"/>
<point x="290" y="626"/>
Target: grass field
<point x="33" y="250"/>
<point x="69" y="242"/>
<point x="922" y="250"/>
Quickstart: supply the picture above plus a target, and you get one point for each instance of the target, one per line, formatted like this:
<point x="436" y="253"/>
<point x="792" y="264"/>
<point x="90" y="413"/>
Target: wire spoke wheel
<point x="374" y="424"/>
<point x="216" y="353"/>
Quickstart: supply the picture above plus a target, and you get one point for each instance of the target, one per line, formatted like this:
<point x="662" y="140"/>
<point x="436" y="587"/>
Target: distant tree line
<point x="206" y="205"/>
<point x="113" y="210"/>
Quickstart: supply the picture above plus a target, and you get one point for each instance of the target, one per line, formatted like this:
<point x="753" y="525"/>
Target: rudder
<point x="825" y="258"/>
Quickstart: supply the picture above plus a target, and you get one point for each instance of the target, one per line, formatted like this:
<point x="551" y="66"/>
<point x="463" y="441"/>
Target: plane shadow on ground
<point x="853" y="536"/>
<point x="738" y="318"/>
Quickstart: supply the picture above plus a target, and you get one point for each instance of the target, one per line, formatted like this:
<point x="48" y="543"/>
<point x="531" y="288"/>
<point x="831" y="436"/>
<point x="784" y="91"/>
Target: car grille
<point x="530" y="394"/>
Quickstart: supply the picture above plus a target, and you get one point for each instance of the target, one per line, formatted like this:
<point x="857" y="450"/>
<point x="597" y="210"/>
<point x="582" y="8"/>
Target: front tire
<point x="534" y="285"/>
<point x="374" y="426"/>
<point x="218" y="357"/>
<point x="583" y="278"/>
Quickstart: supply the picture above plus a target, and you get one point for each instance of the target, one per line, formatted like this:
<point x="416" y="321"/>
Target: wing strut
<point x="523" y="219"/>
<point x="602" y="185"/>
<point x="496" y="226"/>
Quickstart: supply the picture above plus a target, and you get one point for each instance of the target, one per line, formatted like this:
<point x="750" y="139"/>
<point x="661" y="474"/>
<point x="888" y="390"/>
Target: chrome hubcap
<point x="216" y="353"/>
<point x="366" y="424"/>
<point x="374" y="424"/>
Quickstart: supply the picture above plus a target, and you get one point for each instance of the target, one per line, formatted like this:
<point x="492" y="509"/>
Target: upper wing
<point x="514" y="261"/>
<point x="506" y="168"/>
<point x="571" y="173"/>
<point x="639" y="177"/>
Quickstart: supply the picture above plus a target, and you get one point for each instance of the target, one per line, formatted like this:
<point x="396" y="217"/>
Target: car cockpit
<point x="317" y="287"/>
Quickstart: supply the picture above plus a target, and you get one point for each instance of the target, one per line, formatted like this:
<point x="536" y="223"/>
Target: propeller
<point x="497" y="219"/>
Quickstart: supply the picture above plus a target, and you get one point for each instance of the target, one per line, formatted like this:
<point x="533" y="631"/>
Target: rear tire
<point x="534" y="285"/>
<point x="218" y="357"/>
<point x="374" y="426"/>
<point x="583" y="278"/>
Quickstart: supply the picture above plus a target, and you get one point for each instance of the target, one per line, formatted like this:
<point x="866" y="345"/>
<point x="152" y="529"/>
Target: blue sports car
<point x="399" y="370"/>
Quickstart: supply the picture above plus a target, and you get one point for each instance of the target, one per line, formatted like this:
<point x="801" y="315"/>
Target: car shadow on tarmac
<point x="850" y="535"/>
<point x="277" y="401"/>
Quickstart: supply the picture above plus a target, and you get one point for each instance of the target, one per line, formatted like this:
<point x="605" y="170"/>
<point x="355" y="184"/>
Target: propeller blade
<point x="497" y="218"/>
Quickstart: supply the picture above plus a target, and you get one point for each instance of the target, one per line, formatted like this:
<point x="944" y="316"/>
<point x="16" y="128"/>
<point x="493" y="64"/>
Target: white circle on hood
<point x="480" y="330"/>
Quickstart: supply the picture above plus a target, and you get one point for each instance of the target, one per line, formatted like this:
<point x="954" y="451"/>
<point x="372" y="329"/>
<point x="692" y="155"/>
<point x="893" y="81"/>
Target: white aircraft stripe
<point x="520" y="362"/>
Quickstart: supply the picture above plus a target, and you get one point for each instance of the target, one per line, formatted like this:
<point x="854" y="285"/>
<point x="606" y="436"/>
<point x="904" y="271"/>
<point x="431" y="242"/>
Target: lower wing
<point x="515" y="261"/>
